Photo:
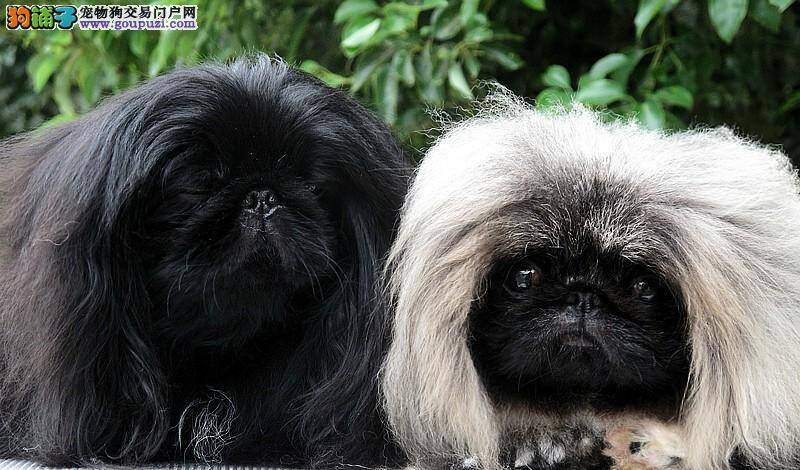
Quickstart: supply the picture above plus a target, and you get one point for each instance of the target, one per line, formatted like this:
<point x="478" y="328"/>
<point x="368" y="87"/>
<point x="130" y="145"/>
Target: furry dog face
<point x="215" y="231"/>
<point x="555" y="272"/>
<point x="564" y="325"/>
<point x="243" y="226"/>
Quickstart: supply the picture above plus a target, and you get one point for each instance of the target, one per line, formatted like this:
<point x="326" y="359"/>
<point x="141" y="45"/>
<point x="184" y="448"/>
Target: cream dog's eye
<point x="525" y="276"/>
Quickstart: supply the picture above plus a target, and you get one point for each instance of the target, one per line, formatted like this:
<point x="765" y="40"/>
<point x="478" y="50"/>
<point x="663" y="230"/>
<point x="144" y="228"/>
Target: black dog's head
<point x="244" y="208"/>
<point x="237" y="193"/>
<point x="191" y="212"/>
<point x="259" y="203"/>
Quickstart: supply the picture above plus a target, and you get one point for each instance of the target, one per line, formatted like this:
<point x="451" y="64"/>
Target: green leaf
<point x="318" y="70"/>
<point x="61" y="38"/>
<point x="446" y="23"/>
<point x="607" y="64"/>
<point x="648" y="9"/>
<point x="430" y="89"/>
<point x="557" y="76"/>
<point x="479" y="19"/>
<point x="479" y="34"/>
<point x="766" y="14"/>
<point x="791" y="103"/>
<point x="782" y="4"/>
<point x="600" y="92"/>
<point x="432" y="93"/>
<point x="352" y="9"/>
<point x="425" y="64"/>
<point x="58" y="119"/>
<point x="399" y="17"/>
<point x="62" y="89"/>
<point x="41" y="67"/>
<point x="584" y="80"/>
<point x="363" y="73"/>
<point x="537" y="5"/>
<point x="187" y="47"/>
<point x="112" y="76"/>
<point x="507" y="59"/>
<point x="671" y="4"/>
<point x="360" y="33"/>
<point x="248" y="32"/>
<point x="390" y="95"/>
<point x="138" y="44"/>
<point x="162" y="52"/>
<point x="623" y="73"/>
<point x="727" y="17"/>
<point x="458" y="82"/>
<point x="675" y="95"/>
<point x="442" y="61"/>
<point x="431" y="4"/>
<point x="407" y="73"/>
<point x="87" y="80"/>
<point x="468" y="10"/>
<point x="652" y="115"/>
<point x="553" y="98"/>
<point x="472" y="64"/>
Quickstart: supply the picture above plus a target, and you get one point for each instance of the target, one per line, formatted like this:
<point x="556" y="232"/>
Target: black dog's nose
<point x="584" y="300"/>
<point x="264" y="202"/>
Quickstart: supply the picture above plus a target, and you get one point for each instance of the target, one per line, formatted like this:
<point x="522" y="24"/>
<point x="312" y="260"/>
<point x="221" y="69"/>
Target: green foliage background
<point x="669" y="63"/>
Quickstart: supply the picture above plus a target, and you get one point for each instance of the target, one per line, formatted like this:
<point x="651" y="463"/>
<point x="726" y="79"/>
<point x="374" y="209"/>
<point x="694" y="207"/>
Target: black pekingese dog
<point x="576" y="294"/>
<point x="188" y="272"/>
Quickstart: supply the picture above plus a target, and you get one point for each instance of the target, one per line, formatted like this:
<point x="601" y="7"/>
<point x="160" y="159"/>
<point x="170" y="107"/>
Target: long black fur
<point x="150" y="309"/>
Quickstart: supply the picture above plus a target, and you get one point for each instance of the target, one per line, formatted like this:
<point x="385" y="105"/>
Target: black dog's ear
<point x="80" y="380"/>
<point x="341" y="417"/>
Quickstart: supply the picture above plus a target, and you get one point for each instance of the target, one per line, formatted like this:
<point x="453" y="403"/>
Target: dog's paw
<point x="545" y="452"/>
<point x="646" y="446"/>
<point x="470" y="463"/>
<point x="570" y="449"/>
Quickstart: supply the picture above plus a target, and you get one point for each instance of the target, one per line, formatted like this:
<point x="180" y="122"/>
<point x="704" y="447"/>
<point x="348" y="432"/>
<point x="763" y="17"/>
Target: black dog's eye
<point x="220" y="173"/>
<point x="302" y="179"/>
<point x="644" y="289"/>
<point x="524" y="276"/>
<point x="212" y="179"/>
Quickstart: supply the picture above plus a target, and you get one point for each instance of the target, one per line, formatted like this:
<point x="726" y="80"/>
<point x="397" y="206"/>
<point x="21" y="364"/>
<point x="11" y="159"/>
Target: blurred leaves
<point x="673" y="72"/>
<point x="667" y="63"/>
<point x="727" y="16"/>
<point x="407" y="56"/>
<point x="535" y="4"/>
<point x="648" y="9"/>
<point x="75" y="69"/>
<point x="557" y="76"/>
<point x="782" y="4"/>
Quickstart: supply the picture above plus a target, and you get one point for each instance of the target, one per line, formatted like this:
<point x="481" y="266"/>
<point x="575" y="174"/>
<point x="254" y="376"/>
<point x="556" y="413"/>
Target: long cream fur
<point x="734" y="209"/>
